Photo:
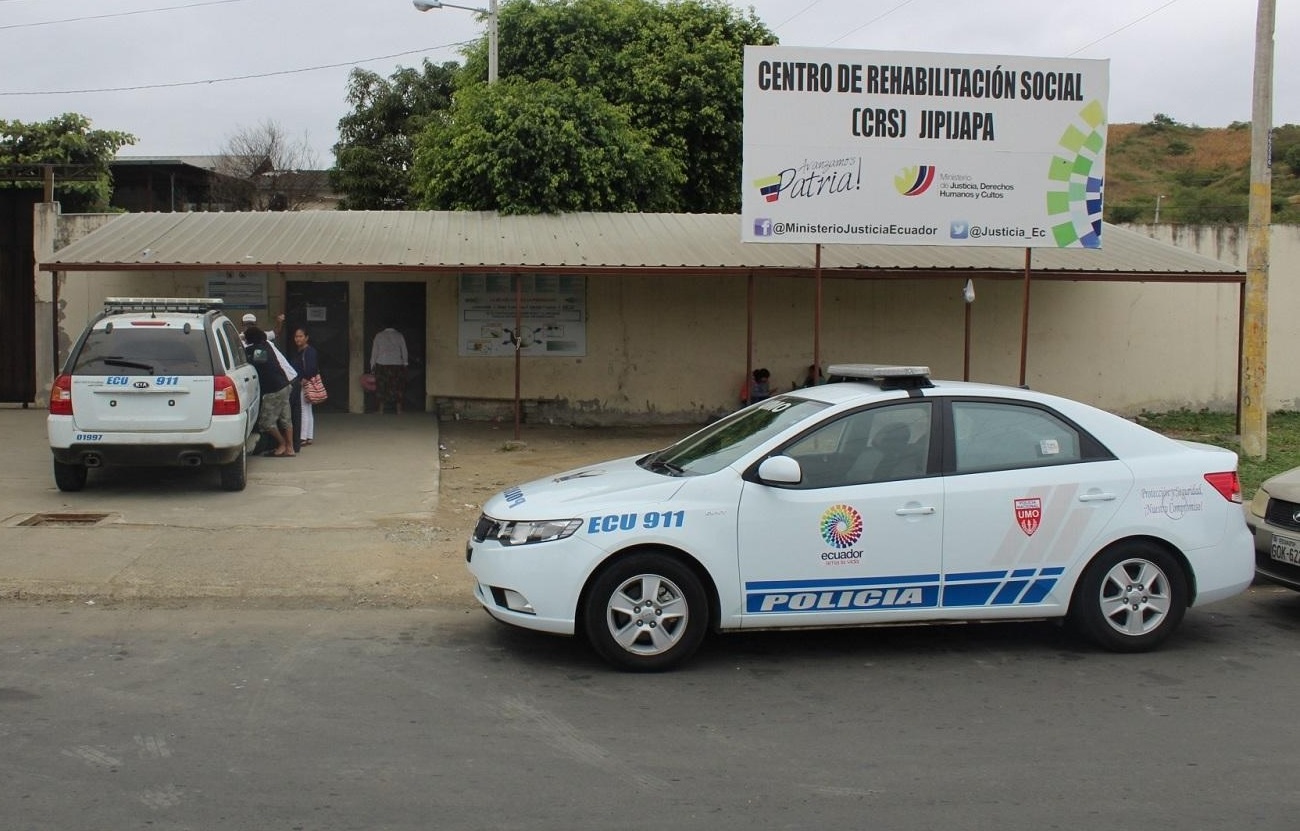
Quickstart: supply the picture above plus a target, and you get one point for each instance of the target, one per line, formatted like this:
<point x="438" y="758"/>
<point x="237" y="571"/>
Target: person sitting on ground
<point x="813" y="377"/>
<point x="760" y="388"/>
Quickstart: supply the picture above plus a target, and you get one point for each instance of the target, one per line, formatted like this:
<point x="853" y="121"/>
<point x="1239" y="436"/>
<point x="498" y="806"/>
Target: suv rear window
<point x="144" y="351"/>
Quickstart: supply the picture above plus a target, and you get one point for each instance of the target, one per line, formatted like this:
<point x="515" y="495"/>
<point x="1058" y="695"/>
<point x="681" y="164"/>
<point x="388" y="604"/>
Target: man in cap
<point x="295" y="400"/>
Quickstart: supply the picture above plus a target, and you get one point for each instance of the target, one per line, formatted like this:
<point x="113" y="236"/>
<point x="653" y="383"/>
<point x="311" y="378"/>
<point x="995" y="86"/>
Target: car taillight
<point x="61" y="396"/>
<point x="225" y="398"/>
<point x="1227" y="484"/>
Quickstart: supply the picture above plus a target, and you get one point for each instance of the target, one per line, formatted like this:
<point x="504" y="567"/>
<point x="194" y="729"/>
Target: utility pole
<point x="1254" y="324"/>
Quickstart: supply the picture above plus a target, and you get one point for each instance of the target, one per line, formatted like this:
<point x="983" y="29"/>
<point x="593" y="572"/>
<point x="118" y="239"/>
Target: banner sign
<point x="553" y="310"/>
<point x="919" y="148"/>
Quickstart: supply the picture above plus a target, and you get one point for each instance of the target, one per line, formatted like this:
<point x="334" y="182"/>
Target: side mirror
<point x="781" y="470"/>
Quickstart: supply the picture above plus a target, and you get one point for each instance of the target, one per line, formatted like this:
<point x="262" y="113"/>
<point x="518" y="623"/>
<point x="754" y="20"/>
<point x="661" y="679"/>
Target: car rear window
<point x="144" y="351"/>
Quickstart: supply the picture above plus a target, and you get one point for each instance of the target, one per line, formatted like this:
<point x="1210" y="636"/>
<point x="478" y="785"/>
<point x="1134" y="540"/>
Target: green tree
<point x="674" y="67"/>
<point x="82" y="180"/>
<point x="542" y="147"/>
<point x="376" y="148"/>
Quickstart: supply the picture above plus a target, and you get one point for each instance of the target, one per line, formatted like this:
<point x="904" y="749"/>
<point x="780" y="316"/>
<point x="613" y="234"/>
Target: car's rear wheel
<point x="646" y="613"/>
<point x="234" y="475"/>
<point x="69" y="477"/>
<point x="1131" y="597"/>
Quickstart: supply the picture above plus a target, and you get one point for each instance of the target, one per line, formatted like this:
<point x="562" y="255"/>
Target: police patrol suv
<point x="154" y="381"/>
<point x="879" y="497"/>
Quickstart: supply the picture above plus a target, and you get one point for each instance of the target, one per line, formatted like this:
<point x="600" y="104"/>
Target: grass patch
<point x="1221" y="429"/>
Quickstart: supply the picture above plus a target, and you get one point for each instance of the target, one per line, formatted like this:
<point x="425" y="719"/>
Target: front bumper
<point x="532" y="586"/>
<point x="1267" y="568"/>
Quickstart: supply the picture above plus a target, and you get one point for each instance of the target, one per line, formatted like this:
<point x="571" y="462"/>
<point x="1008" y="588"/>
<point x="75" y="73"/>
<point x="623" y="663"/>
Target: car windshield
<point x="725" y="441"/>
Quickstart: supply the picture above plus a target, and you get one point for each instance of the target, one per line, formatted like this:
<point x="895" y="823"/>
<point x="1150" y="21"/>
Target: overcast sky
<point x="183" y="75"/>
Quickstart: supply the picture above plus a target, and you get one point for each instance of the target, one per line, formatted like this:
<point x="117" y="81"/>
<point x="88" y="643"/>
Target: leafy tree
<point x="528" y="147"/>
<point x="82" y="181"/>
<point x="260" y="168"/>
<point x="674" y="67"/>
<point x="376" y="148"/>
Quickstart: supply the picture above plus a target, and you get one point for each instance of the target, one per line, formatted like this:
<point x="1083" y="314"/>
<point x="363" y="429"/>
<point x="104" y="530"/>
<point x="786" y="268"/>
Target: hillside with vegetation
<point x="1200" y="174"/>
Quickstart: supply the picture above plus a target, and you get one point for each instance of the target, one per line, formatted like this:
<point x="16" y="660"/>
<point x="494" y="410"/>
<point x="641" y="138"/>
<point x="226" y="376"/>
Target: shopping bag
<point x="314" y="390"/>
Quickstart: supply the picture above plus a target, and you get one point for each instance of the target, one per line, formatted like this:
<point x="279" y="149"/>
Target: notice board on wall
<point x="552" y="308"/>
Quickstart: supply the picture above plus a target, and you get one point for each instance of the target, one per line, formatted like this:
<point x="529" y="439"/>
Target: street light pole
<point x="490" y="11"/>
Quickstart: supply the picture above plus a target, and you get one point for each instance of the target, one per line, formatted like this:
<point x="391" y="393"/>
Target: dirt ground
<point x="481" y="459"/>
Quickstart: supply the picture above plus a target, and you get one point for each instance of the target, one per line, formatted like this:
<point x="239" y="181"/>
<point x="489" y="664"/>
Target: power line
<point x="235" y="77"/>
<point x="872" y="20"/>
<point x="796" y="14"/>
<point x="1122" y="28"/>
<point x="116" y="14"/>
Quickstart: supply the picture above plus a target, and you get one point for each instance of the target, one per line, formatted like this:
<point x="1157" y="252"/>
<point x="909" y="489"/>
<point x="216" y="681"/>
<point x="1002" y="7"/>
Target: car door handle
<point x="918" y="511"/>
<point x="1096" y="497"/>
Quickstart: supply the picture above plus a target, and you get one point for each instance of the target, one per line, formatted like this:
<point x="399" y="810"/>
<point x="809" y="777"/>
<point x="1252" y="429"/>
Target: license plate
<point x="1285" y="550"/>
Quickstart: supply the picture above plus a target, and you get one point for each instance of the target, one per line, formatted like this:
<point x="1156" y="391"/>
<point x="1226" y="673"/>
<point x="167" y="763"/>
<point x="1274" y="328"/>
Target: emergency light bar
<point x="191" y="305"/>
<point x="889" y="376"/>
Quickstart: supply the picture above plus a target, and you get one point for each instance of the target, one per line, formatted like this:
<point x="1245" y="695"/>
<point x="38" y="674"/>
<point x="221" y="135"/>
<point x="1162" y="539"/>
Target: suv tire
<point x="69" y="477"/>
<point x="234" y="475"/>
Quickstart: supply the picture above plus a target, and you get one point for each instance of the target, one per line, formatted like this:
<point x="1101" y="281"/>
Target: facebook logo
<point x="959" y="229"/>
<point x="762" y="227"/>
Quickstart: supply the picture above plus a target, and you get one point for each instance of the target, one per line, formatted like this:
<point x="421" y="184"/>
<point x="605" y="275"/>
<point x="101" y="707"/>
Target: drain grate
<point x="63" y="520"/>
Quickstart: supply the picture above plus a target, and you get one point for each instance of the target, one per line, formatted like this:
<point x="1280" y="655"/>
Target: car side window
<point x="998" y="435"/>
<point x="880" y="444"/>
<point x="232" y="349"/>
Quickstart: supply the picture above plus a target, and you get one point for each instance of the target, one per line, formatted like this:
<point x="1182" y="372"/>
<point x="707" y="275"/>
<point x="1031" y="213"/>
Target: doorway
<point x="402" y="306"/>
<point x="18" y="298"/>
<point x="321" y="308"/>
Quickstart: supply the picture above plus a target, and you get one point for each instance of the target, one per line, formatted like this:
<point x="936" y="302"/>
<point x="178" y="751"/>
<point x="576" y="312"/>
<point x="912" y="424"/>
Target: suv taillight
<point x="61" y="396"/>
<point x="1227" y="484"/>
<point x="225" y="398"/>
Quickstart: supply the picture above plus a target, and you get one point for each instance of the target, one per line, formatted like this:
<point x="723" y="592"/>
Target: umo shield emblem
<point x="141" y="385"/>
<point x="1029" y="514"/>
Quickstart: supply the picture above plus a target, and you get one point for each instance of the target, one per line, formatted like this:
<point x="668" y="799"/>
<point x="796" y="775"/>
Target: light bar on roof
<point x="191" y="305"/>
<point x="873" y="371"/>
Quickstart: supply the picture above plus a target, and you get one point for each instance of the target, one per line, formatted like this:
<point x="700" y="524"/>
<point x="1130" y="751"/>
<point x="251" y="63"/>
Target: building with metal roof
<point x="421" y="241"/>
<point x="608" y="317"/>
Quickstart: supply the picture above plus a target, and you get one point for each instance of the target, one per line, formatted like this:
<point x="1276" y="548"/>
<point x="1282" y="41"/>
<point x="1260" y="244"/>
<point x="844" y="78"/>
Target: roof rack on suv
<point x="192" y="305"/>
<point x="890" y="376"/>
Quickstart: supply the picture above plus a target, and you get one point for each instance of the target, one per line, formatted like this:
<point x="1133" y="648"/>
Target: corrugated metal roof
<point x="612" y="242"/>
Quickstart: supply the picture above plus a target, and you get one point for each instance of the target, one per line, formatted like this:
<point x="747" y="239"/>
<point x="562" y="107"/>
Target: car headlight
<point x="1259" y="505"/>
<point x="525" y="532"/>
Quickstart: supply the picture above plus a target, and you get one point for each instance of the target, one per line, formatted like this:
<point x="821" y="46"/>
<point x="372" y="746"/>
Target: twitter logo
<point x="959" y="229"/>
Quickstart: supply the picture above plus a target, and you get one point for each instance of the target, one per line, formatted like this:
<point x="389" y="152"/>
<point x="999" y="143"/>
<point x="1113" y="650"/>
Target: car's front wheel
<point x="234" y="475"/>
<point x="1131" y="597"/>
<point x="646" y="613"/>
<point x="69" y="477"/>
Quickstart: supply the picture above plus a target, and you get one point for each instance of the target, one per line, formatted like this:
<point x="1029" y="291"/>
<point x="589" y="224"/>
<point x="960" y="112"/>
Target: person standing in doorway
<point x="388" y="360"/>
<point x="304" y="359"/>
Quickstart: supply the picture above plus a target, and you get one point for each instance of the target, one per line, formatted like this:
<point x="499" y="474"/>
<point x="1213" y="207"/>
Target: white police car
<point x="881" y="497"/>
<point x="154" y="381"/>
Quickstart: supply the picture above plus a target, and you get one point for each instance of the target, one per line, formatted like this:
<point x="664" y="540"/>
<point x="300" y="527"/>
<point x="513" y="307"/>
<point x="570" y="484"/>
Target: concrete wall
<point x="54" y="330"/>
<point x="672" y="349"/>
<point x="1228" y="244"/>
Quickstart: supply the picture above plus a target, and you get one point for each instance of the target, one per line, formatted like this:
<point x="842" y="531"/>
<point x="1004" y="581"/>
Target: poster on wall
<point x="554" y="315"/>
<point x="920" y="148"/>
<point x="240" y="289"/>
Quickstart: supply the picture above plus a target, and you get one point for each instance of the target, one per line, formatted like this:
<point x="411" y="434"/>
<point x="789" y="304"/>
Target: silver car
<point x="1274" y="518"/>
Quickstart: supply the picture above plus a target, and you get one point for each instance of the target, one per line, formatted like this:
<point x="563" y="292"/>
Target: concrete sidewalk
<point x="346" y="521"/>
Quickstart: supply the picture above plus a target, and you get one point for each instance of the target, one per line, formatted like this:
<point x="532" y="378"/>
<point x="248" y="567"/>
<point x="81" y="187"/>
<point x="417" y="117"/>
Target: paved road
<point x="403" y="719"/>
<point x="342" y="523"/>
